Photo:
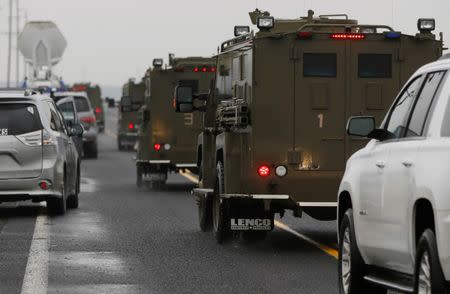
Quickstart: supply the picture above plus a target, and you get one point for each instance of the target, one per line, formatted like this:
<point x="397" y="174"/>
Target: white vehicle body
<point x="399" y="186"/>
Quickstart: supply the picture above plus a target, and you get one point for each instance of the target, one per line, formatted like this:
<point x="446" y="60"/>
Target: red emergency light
<point x="348" y="36"/>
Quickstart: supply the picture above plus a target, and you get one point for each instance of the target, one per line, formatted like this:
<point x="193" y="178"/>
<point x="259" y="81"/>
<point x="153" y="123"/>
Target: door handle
<point x="407" y="163"/>
<point x="380" y="164"/>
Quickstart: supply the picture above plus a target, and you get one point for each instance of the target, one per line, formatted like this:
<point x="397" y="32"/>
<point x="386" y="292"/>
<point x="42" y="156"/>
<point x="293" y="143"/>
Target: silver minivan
<point x="38" y="159"/>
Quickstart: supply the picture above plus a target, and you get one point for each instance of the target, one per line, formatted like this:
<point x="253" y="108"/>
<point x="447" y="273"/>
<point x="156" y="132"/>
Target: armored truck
<point x="167" y="140"/>
<point x="274" y="133"/>
<point x="94" y="93"/>
<point x="130" y="103"/>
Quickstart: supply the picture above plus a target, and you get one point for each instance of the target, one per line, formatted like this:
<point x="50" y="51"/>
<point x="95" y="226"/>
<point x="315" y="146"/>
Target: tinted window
<point x="67" y="111"/>
<point x="398" y="115"/>
<point x="375" y="65"/>
<point x="18" y="119"/>
<point x="82" y="104"/>
<point x="192" y="83"/>
<point x="319" y="65"/>
<point x="423" y="104"/>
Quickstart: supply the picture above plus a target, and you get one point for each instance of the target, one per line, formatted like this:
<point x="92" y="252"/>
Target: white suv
<point x="394" y="199"/>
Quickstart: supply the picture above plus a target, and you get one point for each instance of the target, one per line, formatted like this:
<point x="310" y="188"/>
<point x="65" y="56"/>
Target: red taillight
<point x="88" y="119"/>
<point x="196" y="69"/>
<point x="98" y="110"/>
<point x="205" y="69"/>
<point x="305" y="35"/>
<point x="264" y="171"/>
<point x="349" y="36"/>
<point x="212" y="69"/>
<point x="174" y="103"/>
<point x="157" y="147"/>
<point x="44" y="185"/>
<point x="130" y="126"/>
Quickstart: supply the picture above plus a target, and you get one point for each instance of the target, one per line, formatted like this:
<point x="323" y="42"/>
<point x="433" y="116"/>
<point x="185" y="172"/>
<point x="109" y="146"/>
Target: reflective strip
<point x="262" y="196"/>
<point x="318" y="204"/>
<point x="186" y="165"/>
<point x="203" y="191"/>
<point x="159" y="161"/>
<point x="257" y="196"/>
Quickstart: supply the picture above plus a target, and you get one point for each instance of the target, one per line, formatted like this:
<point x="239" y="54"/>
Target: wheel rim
<point x="425" y="275"/>
<point x="346" y="260"/>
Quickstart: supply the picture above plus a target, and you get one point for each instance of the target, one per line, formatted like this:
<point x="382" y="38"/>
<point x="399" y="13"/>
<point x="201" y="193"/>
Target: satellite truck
<point x="42" y="44"/>
<point x="274" y="136"/>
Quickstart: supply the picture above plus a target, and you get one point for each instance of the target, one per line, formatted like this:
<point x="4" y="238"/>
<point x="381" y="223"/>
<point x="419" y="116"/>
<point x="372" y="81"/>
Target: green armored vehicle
<point x="274" y="135"/>
<point x="94" y="93"/>
<point x="167" y="140"/>
<point x="130" y="103"/>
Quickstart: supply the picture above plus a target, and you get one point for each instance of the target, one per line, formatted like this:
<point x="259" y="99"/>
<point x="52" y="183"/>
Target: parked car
<point x="38" y="159"/>
<point x="394" y="199"/>
<point x="87" y="117"/>
<point x="67" y="107"/>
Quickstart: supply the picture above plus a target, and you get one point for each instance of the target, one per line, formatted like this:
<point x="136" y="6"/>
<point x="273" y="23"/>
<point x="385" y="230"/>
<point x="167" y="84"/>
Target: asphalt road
<point x="125" y="240"/>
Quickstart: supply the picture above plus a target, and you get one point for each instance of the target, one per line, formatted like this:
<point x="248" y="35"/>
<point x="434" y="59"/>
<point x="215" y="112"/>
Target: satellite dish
<point x="42" y="44"/>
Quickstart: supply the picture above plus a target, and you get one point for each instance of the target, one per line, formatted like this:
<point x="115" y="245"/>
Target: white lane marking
<point x="35" y="280"/>
<point x="88" y="185"/>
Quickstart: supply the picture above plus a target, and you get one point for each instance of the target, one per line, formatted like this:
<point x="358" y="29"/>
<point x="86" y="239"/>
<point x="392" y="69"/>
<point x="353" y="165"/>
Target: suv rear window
<point x="375" y="66"/>
<point x="82" y="104"/>
<point x="322" y="65"/>
<point x="18" y="119"/>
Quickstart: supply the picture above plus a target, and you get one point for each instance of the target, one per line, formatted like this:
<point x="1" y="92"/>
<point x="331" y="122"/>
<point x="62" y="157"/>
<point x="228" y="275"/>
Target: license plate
<point x="251" y="224"/>
<point x="3" y="132"/>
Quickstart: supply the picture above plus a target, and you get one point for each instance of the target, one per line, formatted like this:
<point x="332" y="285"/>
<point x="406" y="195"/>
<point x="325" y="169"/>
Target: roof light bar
<point x="348" y="36"/>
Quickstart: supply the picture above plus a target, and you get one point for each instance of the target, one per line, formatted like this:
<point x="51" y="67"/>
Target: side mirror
<point x="360" y="126"/>
<point x="184" y="99"/>
<point x="76" y="130"/>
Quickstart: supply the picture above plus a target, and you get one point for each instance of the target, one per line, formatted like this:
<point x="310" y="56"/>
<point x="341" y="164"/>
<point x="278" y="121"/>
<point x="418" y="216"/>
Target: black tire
<point x="427" y="250"/>
<point x="58" y="206"/>
<point x="139" y="175"/>
<point x="119" y="144"/>
<point x="73" y="200"/>
<point x="204" y="213"/>
<point x="220" y="207"/>
<point x="347" y="244"/>
<point x="90" y="150"/>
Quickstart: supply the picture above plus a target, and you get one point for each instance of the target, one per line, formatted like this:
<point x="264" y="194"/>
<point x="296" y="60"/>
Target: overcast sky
<point x="112" y="40"/>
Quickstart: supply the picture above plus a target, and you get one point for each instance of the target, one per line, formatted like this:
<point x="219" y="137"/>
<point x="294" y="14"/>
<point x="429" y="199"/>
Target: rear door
<point x="320" y="101"/>
<point x="374" y="75"/>
<point x="20" y="141"/>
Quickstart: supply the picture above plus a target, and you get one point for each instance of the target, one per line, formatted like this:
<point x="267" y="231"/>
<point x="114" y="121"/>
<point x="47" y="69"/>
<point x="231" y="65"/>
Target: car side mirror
<point x="184" y="99"/>
<point x="76" y="130"/>
<point x="360" y="126"/>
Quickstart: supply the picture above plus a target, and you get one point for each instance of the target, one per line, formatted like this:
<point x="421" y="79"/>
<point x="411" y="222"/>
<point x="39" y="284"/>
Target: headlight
<point x="426" y="25"/>
<point x="158" y="62"/>
<point x="281" y="171"/>
<point x="167" y="147"/>
<point x="241" y="30"/>
<point x="265" y="22"/>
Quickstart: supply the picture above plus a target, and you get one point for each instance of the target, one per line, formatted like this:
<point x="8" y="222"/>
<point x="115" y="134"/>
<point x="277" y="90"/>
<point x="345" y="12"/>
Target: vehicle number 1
<point x="320" y="117"/>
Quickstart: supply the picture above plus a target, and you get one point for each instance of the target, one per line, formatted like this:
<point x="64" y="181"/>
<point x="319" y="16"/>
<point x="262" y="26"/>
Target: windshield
<point x="18" y="119"/>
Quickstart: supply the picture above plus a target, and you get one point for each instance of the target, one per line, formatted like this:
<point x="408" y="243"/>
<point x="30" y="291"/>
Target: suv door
<point x="20" y="141"/>
<point x="370" y="218"/>
<point x="400" y="183"/>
